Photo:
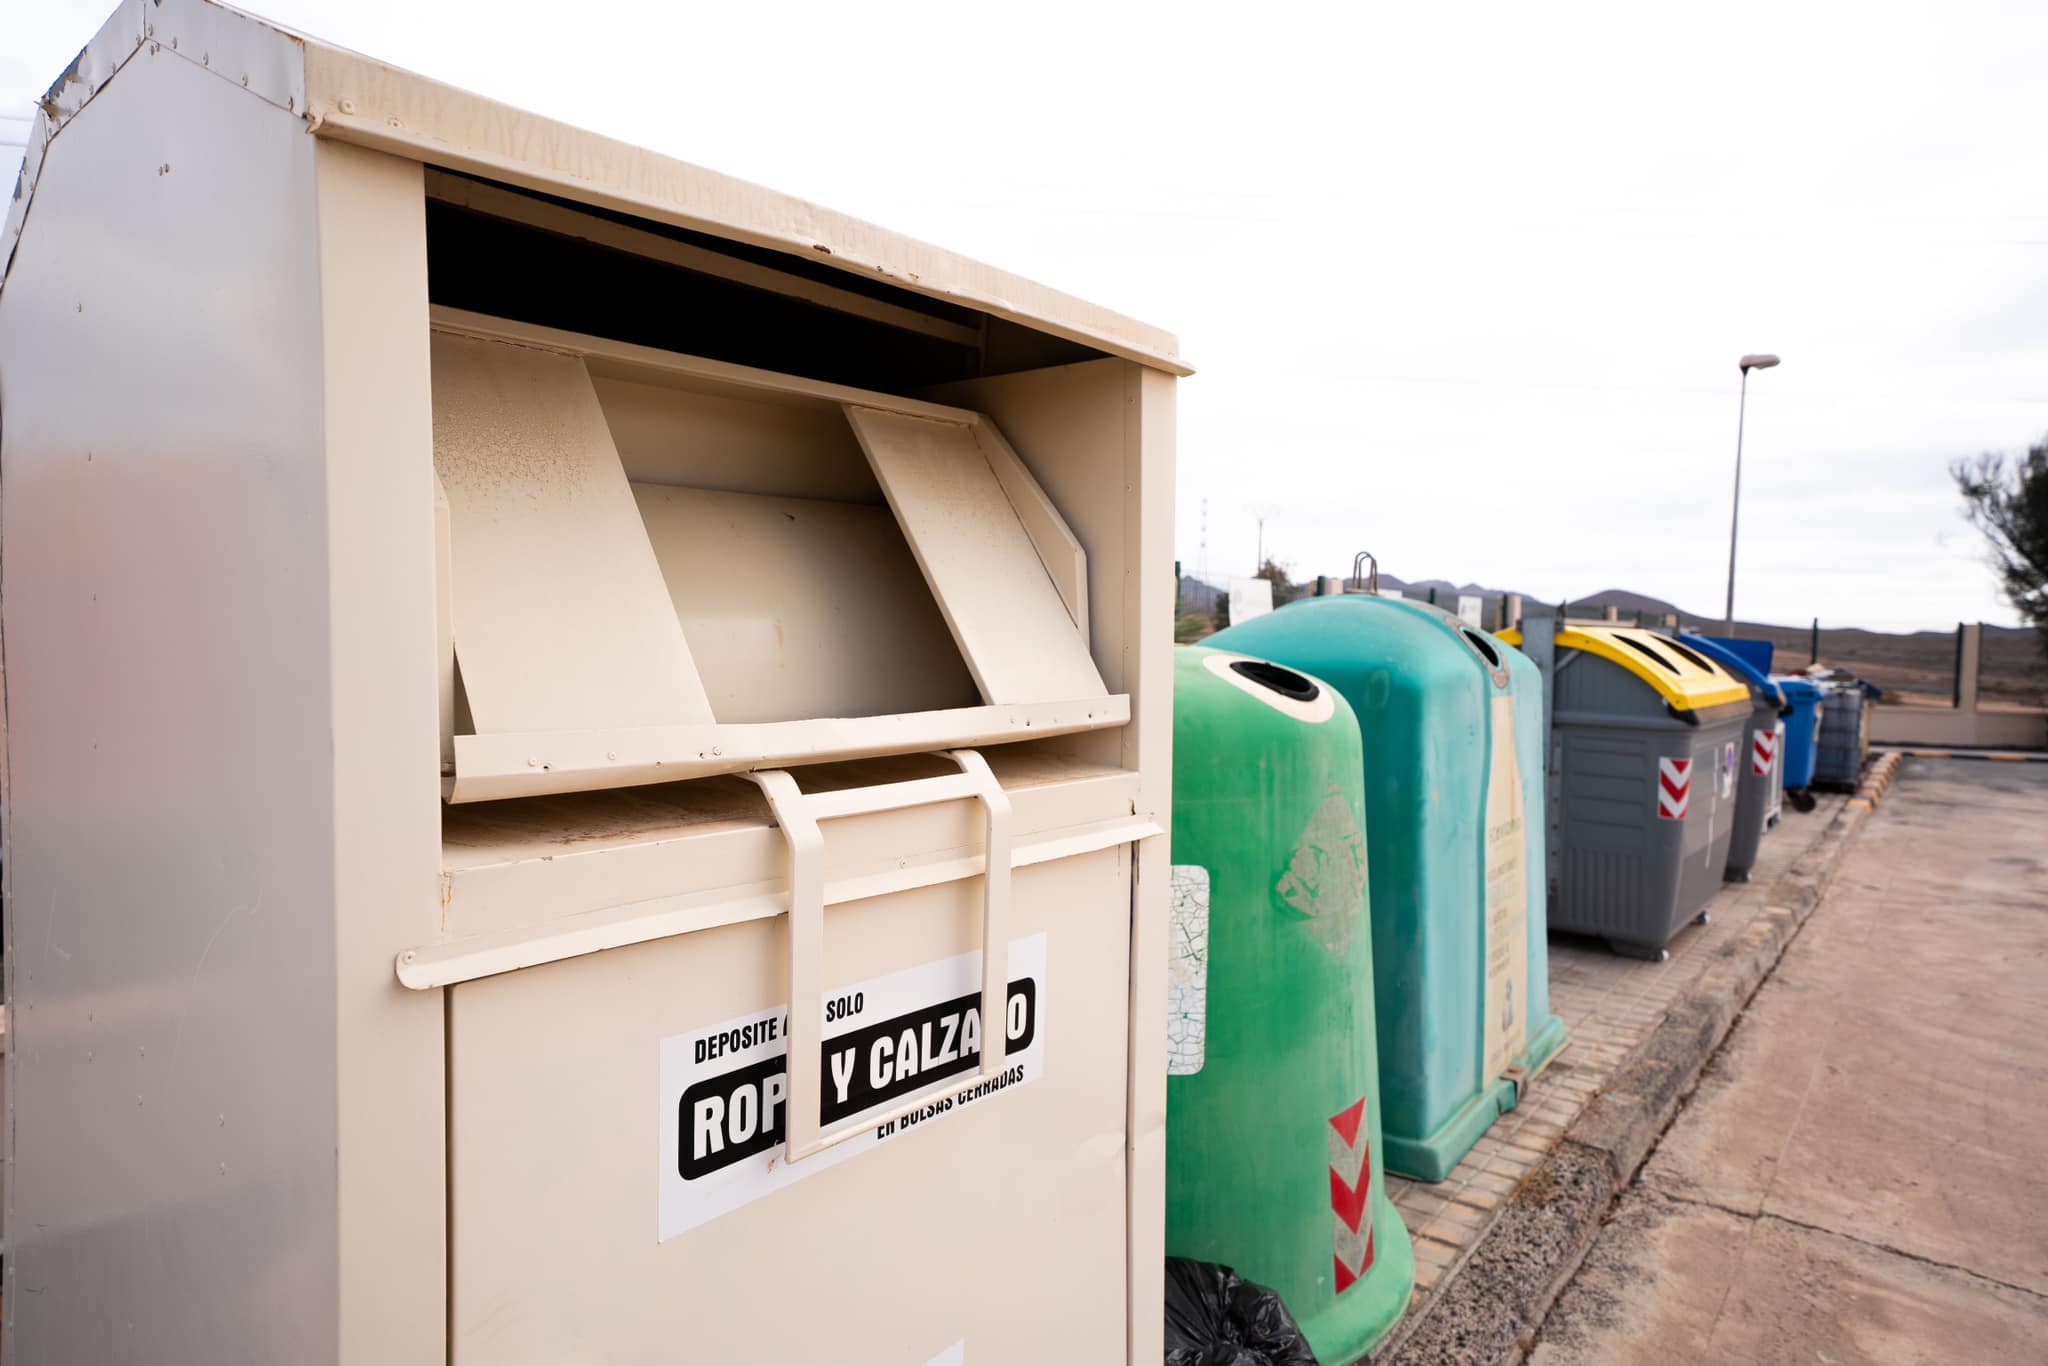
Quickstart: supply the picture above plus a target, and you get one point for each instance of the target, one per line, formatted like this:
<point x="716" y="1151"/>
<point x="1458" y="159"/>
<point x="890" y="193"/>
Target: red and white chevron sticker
<point x="1763" y="751"/>
<point x="1674" y="788"/>
<point x="1351" y="1195"/>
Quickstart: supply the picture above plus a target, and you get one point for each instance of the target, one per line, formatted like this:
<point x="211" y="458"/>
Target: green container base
<point x="1431" y="1158"/>
<point x="1361" y="1317"/>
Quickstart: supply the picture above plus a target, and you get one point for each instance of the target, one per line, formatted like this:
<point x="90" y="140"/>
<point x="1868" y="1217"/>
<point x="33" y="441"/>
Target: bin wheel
<point x="1802" y="800"/>
<point x="1647" y="953"/>
<point x="1707" y="917"/>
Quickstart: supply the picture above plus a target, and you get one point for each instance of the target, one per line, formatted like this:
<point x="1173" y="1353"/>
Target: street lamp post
<point x="1748" y="363"/>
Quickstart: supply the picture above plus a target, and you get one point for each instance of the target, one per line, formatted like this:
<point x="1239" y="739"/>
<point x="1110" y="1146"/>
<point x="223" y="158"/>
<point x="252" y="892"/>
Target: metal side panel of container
<point x="1616" y="865"/>
<point x="1756" y="767"/>
<point x="616" y="1195"/>
<point x="1631" y="873"/>
<point x="1710" y="818"/>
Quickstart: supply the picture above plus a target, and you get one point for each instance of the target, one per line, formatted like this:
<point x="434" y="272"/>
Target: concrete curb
<point x="1489" y="1308"/>
<point x="2008" y="756"/>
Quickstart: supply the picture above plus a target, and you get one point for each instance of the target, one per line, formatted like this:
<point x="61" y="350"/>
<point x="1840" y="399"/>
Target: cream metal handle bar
<point x="799" y="815"/>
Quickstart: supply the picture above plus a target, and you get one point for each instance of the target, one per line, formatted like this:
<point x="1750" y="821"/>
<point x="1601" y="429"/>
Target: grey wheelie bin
<point x="1758" y="787"/>
<point x="1844" y="742"/>
<point x="1644" y="737"/>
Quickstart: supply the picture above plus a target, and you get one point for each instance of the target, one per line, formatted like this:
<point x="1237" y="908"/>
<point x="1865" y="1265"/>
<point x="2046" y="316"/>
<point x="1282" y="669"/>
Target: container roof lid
<point x="352" y="98"/>
<point x="1683" y="678"/>
<point x="1735" y="665"/>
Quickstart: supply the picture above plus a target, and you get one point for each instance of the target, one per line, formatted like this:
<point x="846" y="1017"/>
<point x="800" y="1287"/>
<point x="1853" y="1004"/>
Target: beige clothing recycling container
<point x="585" y="748"/>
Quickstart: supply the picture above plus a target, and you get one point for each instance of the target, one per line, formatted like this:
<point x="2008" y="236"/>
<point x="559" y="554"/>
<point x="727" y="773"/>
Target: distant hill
<point x="1918" y="665"/>
<point x="1628" y="604"/>
<point x="1422" y="588"/>
<point x="1445" y="589"/>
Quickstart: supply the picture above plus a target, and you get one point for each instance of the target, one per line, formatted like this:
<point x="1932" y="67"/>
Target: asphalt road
<point x="1862" y="1175"/>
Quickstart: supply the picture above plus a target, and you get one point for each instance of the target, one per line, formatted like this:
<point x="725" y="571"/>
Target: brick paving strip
<point x="1497" y="1239"/>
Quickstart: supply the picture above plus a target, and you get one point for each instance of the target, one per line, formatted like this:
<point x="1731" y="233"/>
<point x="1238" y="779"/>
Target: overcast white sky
<point x="1465" y="285"/>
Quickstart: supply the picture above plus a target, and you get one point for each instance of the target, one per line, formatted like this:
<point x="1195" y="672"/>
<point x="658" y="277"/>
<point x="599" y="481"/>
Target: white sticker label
<point x="1249" y="598"/>
<point x="1187" y="971"/>
<point x="956" y="1355"/>
<point x="885" y="1041"/>
<point x="1507" y="898"/>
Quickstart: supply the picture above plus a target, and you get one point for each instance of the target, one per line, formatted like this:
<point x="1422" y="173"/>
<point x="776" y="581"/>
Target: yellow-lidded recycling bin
<point x="1645" y="738"/>
<point x="596" y="735"/>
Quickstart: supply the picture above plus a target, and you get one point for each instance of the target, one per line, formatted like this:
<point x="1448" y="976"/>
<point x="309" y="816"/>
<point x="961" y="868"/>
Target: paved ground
<point x="1862" y="1175"/>
<point x="1608" y="1004"/>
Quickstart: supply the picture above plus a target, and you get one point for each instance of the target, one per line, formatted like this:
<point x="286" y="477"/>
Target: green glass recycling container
<point x="1274" y="1161"/>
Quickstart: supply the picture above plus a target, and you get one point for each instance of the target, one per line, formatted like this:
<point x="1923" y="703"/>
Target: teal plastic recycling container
<point x="1452" y="722"/>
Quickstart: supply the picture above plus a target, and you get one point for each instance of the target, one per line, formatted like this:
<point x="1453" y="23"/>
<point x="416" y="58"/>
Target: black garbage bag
<point x="1215" y="1318"/>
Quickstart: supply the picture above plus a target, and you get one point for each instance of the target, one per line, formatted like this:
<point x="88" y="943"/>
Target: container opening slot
<point x="709" y="437"/>
<point x="557" y="611"/>
<point x="798" y="607"/>
<point x="1484" y="646"/>
<point x="540" y="259"/>
<point x="1680" y="649"/>
<point x="1013" y="623"/>
<point x="655" y="567"/>
<point x="1647" y="653"/>
<point x="1286" y="682"/>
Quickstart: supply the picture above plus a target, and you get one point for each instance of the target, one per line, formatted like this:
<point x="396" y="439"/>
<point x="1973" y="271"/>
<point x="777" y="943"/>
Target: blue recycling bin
<point x="1740" y="662"/>
<point x="1756" y="653"/>
<point x="1802" y="736"/>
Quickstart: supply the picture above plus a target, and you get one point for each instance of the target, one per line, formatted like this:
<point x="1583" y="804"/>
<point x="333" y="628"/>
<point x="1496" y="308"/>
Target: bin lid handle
<point x="799" y="814"/>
